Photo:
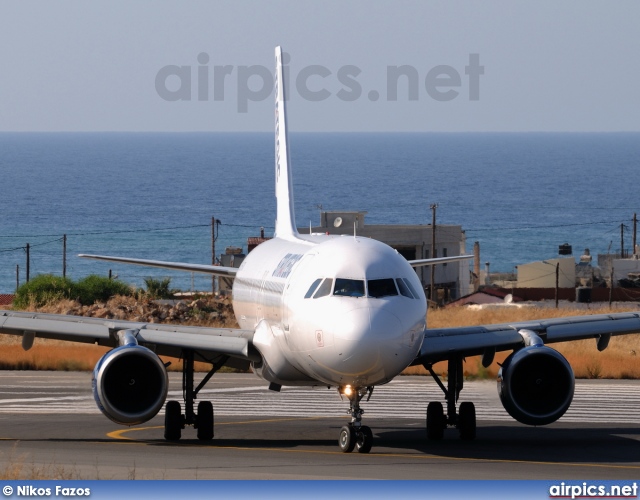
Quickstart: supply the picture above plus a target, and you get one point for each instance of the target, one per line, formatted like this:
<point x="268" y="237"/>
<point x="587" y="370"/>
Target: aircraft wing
<point x="441" y="343"/>
<point x="228" y="272"/>
<point x="438" y="260"/>
<point x="167" y="340"/>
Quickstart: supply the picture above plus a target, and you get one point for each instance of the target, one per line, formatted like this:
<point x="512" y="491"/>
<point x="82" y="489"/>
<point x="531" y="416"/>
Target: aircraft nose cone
<point x="365" y="338"/>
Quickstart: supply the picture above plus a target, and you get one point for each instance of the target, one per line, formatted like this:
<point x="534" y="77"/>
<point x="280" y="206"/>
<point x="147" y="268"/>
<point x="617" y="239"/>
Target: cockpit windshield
<point x="324" y="289"/>
<point x="382" y="288"/>
<point x="349" y="288"/>
<point x="312" y="288"/>
<point x="413" y="290"/>
<point x="404" y="289"/>
<point x="386" y="287"/>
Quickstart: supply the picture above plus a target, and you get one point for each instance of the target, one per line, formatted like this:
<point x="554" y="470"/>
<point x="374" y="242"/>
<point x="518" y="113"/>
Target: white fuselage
<point x="334" y="310"/>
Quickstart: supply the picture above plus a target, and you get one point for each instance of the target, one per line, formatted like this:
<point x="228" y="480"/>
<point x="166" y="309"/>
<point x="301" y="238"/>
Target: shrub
<point x="158" y="289"/>
<point x="96" y="288"/>
<point x="41" y="290"/>
<point x="594" y="370"/>
<point x="46" y="288"/>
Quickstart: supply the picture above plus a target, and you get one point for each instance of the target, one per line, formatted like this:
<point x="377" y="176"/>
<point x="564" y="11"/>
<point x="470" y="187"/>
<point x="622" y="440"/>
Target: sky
<point x="424" y="66"/>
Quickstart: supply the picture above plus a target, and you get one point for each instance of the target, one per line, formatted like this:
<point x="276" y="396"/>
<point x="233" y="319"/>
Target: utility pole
<point x="17" y="277"/>
<point x="611" y="288"/>
<point x="557" y="281"/>
<point x="476" y="266"/>
<point x="622" y="241"/>
<point x="64" y="256"/>
<point x="28" y="263"/>
<point x="214" y="237"/>
<point x="635" y="228"/>
<point x="432" y="288"/>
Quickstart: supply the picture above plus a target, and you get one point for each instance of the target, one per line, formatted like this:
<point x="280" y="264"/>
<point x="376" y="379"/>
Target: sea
<point x="153" y="195"/>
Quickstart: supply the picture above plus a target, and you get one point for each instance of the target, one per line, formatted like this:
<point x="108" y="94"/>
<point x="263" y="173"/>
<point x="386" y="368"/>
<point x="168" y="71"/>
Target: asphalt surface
<point x="51" y="428"/>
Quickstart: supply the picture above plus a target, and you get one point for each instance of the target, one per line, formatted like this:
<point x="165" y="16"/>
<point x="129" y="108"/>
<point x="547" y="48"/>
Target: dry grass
<point x="619" y="360"/>
<point x="64" y="356"/>
<point x="16" y="468"/>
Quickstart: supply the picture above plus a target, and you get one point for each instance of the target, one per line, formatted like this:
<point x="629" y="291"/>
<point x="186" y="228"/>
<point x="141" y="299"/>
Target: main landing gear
<point x="354" y="435"/>
<point x="175" y="420"/>
<point x="464" y="420"/>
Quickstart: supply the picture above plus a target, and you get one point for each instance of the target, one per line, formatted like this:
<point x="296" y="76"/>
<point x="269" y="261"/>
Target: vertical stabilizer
<point x="285" y="216"/>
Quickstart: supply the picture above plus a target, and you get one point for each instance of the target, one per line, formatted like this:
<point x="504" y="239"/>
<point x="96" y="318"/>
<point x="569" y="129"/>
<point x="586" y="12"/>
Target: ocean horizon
<point x="152" y="195"/>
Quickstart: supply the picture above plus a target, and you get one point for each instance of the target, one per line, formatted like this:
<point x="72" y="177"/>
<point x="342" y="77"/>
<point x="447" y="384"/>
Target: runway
<point x="50" y="426"/>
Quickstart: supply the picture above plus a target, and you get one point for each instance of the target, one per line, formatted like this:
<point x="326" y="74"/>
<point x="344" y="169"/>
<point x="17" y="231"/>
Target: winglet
<point x="285" y="216"/>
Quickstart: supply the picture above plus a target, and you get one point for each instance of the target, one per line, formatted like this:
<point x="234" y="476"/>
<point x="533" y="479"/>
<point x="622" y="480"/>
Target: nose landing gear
<point x="354" y="435"/>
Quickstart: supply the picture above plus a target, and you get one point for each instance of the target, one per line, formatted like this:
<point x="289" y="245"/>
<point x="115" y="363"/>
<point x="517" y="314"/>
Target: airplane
<point x="345" y="311"/>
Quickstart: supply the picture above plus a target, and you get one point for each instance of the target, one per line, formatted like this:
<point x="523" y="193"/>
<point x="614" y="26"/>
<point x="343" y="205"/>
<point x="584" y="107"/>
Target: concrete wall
<point x="597" y="294"/>
<point x="622" y="268"/>
<point x="543" y="274"/>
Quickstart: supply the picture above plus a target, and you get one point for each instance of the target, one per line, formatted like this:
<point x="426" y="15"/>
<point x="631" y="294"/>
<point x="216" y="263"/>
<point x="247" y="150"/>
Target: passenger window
<point x="324" y="289"/>
<point x="312" y="288"/>
<point x="404" y="289"/>
<point x="349" y="288"/>
<point x="413" y="290"/>
<point x="382" y="288"/>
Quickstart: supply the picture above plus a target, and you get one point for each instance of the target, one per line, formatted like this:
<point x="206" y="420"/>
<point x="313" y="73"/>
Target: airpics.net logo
<point x="255" y="83"/>
<point x="587" y="490"/>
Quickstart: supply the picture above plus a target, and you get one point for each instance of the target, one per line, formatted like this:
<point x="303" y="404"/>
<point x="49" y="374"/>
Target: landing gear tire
<point x="205" y="421"/>
<point x="172" y="421"/>
<point x="364" y="440"/>
<point x="435" y="421"/>
<point x="347" y="439"/>
<point x="467" y="421"/>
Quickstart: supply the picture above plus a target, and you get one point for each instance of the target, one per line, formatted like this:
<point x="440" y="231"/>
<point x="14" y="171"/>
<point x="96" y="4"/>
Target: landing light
<point x="346" y="390"/>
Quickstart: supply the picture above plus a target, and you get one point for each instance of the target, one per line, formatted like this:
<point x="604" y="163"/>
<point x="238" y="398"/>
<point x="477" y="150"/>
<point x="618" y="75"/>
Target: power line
<point x="4" y="250"/>
<point x="36" y="245"/>
<point x="46" y="242"/>
<point x="140" y="230"/>
<point x="519" y="228"/>
<point x="110" y="232"/>
<point x="253" y="226"/>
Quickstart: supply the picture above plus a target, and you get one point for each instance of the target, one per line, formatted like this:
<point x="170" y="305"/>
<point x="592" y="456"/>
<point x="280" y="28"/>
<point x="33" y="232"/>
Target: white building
<point x="413" y="242"/>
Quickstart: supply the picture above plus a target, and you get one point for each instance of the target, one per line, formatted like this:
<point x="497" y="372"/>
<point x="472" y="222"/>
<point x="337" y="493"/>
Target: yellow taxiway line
<point x="120" y="435"/>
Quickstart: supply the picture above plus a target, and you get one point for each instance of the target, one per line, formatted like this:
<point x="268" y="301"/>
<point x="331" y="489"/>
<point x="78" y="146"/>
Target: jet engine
<point x="536" y="385"/>
<point x="130" y="384"/>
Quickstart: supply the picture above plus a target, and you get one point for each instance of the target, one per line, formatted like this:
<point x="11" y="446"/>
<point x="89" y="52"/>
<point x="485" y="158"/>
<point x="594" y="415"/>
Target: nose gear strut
<point x="354" y="434"/>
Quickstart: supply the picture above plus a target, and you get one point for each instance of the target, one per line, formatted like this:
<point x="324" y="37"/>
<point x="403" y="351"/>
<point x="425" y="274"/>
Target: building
<point x="412" y="242"/>
<point x="621" y="268"/>
<point x="542" y="274"/>
<point x="484" y="296"/>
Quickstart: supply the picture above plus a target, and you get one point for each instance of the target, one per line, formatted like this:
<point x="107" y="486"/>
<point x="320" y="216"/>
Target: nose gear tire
<point x="347" y="439"/>
<point x="364" y="440"/>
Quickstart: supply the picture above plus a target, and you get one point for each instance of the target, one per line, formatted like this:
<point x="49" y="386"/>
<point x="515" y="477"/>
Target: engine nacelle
<point x="130" y="384"/>
<point x="536" y="385"/>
